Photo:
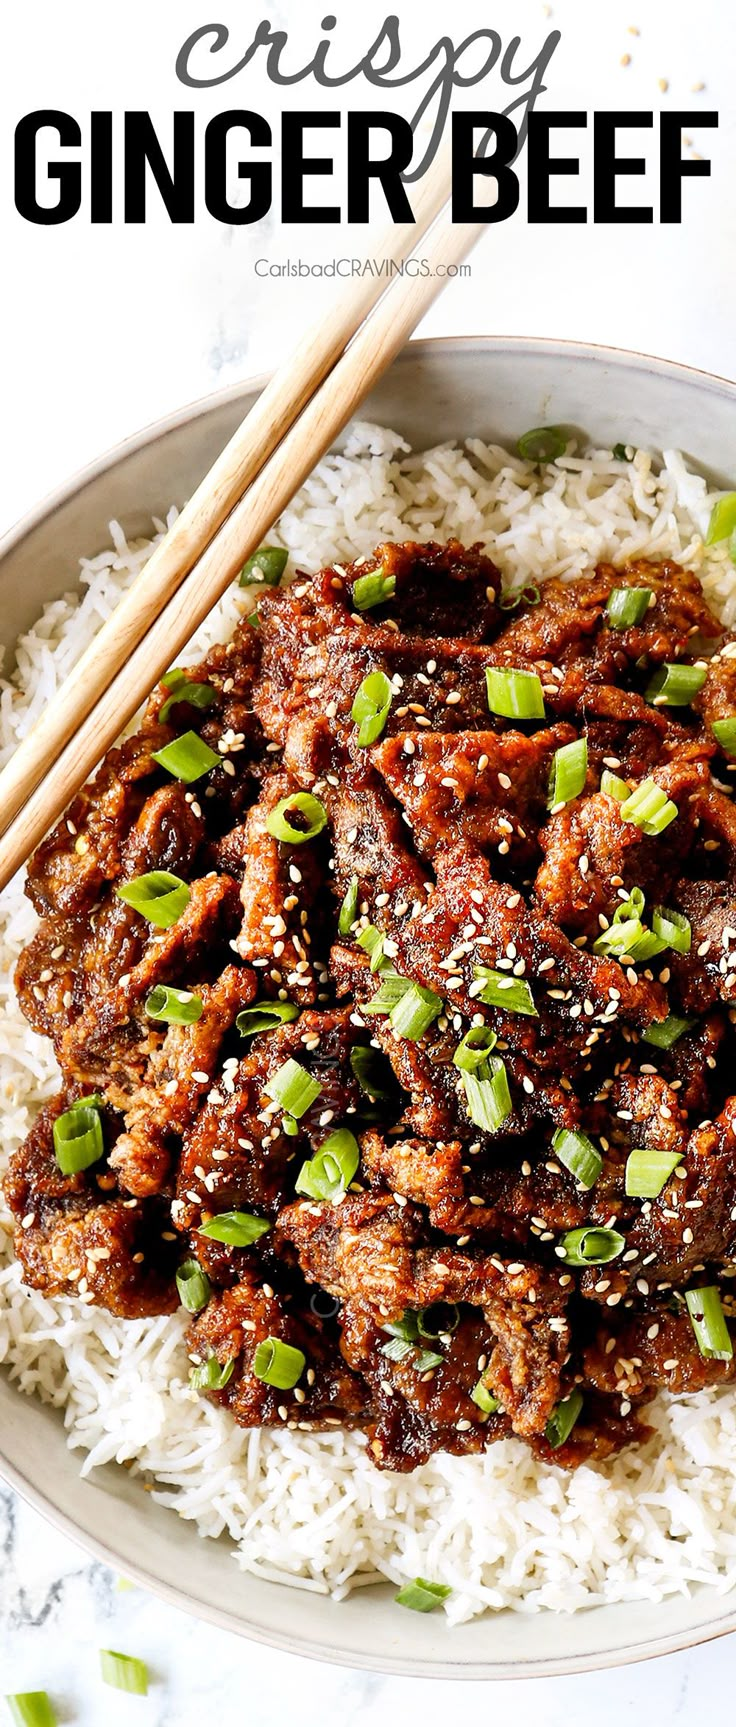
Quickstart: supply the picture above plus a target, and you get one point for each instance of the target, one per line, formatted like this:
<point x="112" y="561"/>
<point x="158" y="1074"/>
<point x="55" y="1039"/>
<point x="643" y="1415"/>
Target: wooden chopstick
<point x="375" y="345"/>
<point x="258" y="435"/>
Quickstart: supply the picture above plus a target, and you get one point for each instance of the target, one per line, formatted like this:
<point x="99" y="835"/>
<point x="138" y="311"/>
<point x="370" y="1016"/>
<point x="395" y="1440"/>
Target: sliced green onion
<point x="182" y="690"/>
<point x="369" y="1067"/>
<point x="235" y="1228"/>
<point x="279" y="1364"/>
<point x="724" y="732"/>
<point x="422" y="1596"/>
<point x="663" y="1033"/>
<point x="578" y="1154"/>
<point x="563" y="1419"/>
<point x="174" y="1006"/>
<point x="193" y="1285"/>
<point x="647" y="1171"/>
<point x="349" y="908"/>
<point x="632" y="906"/>
<point x="591" y="1246"/>
<point x="436" y="1320"/>
<point x="32" y="1709"/>
<point x="484" y="1398"/>
<point x="487" y="1095"/>
<point x="723" y="520"/>
<point x="621" y="938"/>
<point x="474" y="1048"/>
<point x="371" y="940"/>
<point x="265" y="1016"/>
<point x="647" y="946"/>
<point x="373" y="590"/>
<point x="124" y="1672"/>
<point x="391" y="989"/>
<point x="297" y="819"/>
<point x="212" y="1375"/>
<point x="289" y="1126"/>
<point x="614" y="786"/>
<point x="568" y="772"/>
<point x="421" y="1359"/>
<point x="513" y="994"/>
<point x="673" y="928"/>
<point x="293" y="1089"/>
<point x="406" y="1328"/>
<point x="329" y="1173"/>
<point x="414" y="1012"/>
<point x="370" y="709"/>
<point x="158" y="896"/>
<point x="674" y="686"/>
<point x="627" y="606"/>
<point x="267" y="565"/>
<point x="542" y="444"/>
<point x="649" y="808"/>
<point x="187" y="758"/>
<point x="78" y="1140"/>
<point x="514" y="694"/>
<point x="709" y="1323"/>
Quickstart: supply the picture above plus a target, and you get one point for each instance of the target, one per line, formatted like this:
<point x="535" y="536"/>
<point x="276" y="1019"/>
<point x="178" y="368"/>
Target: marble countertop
<point x="107" y="328"/>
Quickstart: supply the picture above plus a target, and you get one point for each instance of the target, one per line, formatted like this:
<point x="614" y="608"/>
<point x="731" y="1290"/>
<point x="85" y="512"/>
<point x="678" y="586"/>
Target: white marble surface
<point x="105" y="329"/>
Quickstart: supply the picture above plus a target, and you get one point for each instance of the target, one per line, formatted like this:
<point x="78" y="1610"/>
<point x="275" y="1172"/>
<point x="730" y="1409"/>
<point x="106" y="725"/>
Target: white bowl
<point x="434" y="391"/>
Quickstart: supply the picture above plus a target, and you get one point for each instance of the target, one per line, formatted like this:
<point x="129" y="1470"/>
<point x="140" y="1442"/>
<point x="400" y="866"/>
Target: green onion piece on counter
<point x="591" y="1246"/>
<point x="563" y="1419"/>
<point x="474" y="1048"/>
<point x="568" y="772"/>
<point x="349" y="908"/>
<point x="174" y="1006"/>
<point x="78" y="1141"/>
<point x="297" y="819"/>
<point x="414" y="1012"/>
<point x="484" y="1398"/>
<point x="723" y="520"/>
<point x="647" y="1171"/>
<point x="329" y="1173"/>
<point x="542" y="444"/>
<point x="724" y="732"/>
<point x="422" y="1596"/>
<point x="674" y="686"/>
<point x="708" y="1321"/>
<point x="614" y="786"/>
<point x="390" y="991"/>
<point x="187" y="758"/>
<point x="293" y="1088"/>
<point x="514" y="694"/>
<point x="487" y="1095"/>
<point x="212" y="1375"/>
<point x="369" y="1068"/>
<point x="371" y="940"/>
<point x="267" y="565"/>
<point x="649" y="808"/>
<point x="182" y="690"/>
<point x="158" y="896"/>
<point x="620" y="452"/>
<point x="193" y="1285"/>
<point x="673" y="928"/>
<point x="373" y="590"/>
<point x="627" y="606"/>
<point x="124" y="1672"/>
<point x="265" y="1016"/>
<point x="32" y="1709"/>
<point x="370" y="709"/>
<point x="278" y="1364"/>
<point x="663" y="1033"/>
<point x="500" y="989"/>
<point x="578" y="1154"/>
<point x="235" y="1228"/>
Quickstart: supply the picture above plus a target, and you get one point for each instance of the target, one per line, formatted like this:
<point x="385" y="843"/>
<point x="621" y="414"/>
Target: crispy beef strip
<point x="413" y="1256"/>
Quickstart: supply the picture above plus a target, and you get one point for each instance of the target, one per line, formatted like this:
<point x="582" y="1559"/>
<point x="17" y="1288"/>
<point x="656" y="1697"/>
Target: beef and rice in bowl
<point x="387" y="969"/>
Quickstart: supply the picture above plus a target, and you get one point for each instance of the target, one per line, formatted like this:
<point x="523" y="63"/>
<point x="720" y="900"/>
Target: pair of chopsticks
<point x="293" y="423"/>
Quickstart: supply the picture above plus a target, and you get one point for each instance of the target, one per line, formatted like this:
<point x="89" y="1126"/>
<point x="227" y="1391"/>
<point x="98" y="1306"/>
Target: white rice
<point x="312" y="1510"/>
